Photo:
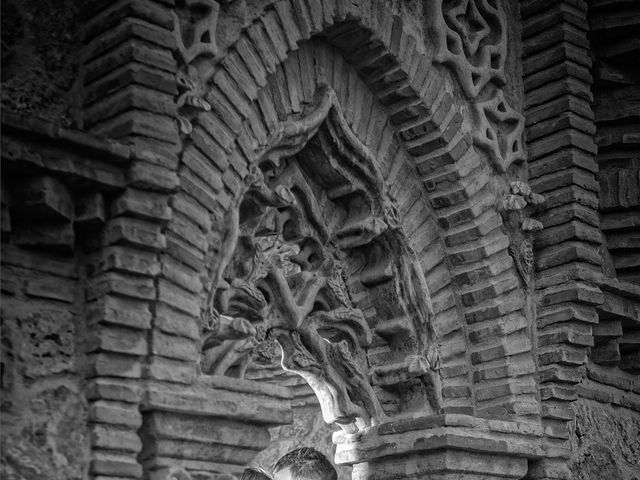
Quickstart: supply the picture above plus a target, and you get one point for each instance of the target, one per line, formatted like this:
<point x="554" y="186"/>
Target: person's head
<point x="255" y="474"/>
<point x="304" y="464"/>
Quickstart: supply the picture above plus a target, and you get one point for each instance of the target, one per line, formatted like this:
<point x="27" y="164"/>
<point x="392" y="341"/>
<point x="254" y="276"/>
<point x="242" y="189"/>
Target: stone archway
<point x="309" y="246"/>
<point x="418" y="126"/>
<point x="439" y="131"/>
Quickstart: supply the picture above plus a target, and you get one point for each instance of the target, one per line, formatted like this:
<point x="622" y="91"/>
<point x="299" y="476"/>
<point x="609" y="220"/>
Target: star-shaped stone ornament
<point x="470" y="25"/>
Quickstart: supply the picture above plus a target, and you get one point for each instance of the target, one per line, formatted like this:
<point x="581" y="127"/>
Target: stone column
<point x="443" y="447"/>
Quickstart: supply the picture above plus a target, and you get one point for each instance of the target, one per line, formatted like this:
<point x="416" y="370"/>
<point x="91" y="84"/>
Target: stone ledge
<point x="442" y="432"/>
<point x="114" y="151"/>
<point x="242" y="400"/>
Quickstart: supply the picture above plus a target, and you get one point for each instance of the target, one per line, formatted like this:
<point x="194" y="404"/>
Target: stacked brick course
<point x="557" y="80"/>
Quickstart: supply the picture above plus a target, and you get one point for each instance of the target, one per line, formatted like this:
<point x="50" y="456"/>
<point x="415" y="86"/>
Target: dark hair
<point x="307" y="463"/>
<point x="255" y="474"/>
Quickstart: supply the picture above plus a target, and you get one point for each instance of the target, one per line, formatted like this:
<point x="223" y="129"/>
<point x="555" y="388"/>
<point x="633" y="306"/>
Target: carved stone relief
<point x="515" y="208"/>
<point x="200" y="28"/>
<point x="498" y="131"/>
<point x="313" y="223"/>
<point x="470" y="37"/>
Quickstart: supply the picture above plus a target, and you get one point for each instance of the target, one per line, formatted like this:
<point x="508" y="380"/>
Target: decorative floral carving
<point x="190" y="101"/>
<point x="498" y="131"/>
<point x="521" y="227"/>
<point x="522" y="254"/>
<point x="470" y="37"/>
<point x="280" y="272"/>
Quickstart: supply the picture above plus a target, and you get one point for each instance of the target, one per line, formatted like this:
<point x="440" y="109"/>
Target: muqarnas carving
<point x="470" y="38"/>
<point x="312" y="235"/>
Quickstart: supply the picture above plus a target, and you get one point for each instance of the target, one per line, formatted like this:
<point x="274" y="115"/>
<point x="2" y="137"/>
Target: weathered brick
<point x="161" y="368"/>
<point x="91" y="211"/>
<point x="185" y="228"/>
<point x="131" y="97"/>
<point x="562" y="355"/>
<point x="146" y="150"/>
<point x="180" y="348"/>
<point x="103" y="436"/>
<point x="231" y="91"/>
<point x="44" y="198"/>
<point x="133" y="51"/>
<point x="119" y="311"/>
<point x="225" y="112"/>
<point x="149" y="11"/>
<point x="251" y="60"/>
<point x="176" y="323"/>
<point x="52" y="288"/>
<point x="574" y="230"/>
<point x="125" y="259"/>
<point x="139" y="122"/>
<point x="142" y="204"/>
<point x="567" y="252"/>
<point x="115" y="413"/>
<point x="181" y="275"/>
<point x="122" y="284"/>
<point x="188" y="206"/>
<point x="571" y="291"/>
<point x="56" y="237"/>
<point x="114" y="389"/>
<point x="183" y="252"/>
<point x="113" y="464"/>
<point x="135" y="232"/>
<point x="177" y="297"/>
<point x="118" y="340"/>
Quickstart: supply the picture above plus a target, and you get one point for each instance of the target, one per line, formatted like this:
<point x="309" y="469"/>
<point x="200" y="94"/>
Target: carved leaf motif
<point x="531" y="225"/>
<point x="338" y="288"/>
<point x="196" y="102"/>
<point x="513" y="202"/>
<point x="498" y="131"/>
<point x="184" y="125"/>
<point x="433" y="357"/>
<point x="470" y="37"/>
<point x="253" y="292"/>
<point x="523" y="256"/>
<point x="519" y="187"/>
<point x="301" y="356"/>
<point x="416" y="365"/>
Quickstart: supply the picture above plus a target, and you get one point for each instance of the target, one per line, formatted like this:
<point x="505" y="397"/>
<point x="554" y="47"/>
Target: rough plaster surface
<point x="40" y="58"/>
<point x="606" y="442"/>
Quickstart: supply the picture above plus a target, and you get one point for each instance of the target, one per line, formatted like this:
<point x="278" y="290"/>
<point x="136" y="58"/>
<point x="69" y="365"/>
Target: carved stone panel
<point x="311" y="234"/>
<point x="470" y="37"/>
